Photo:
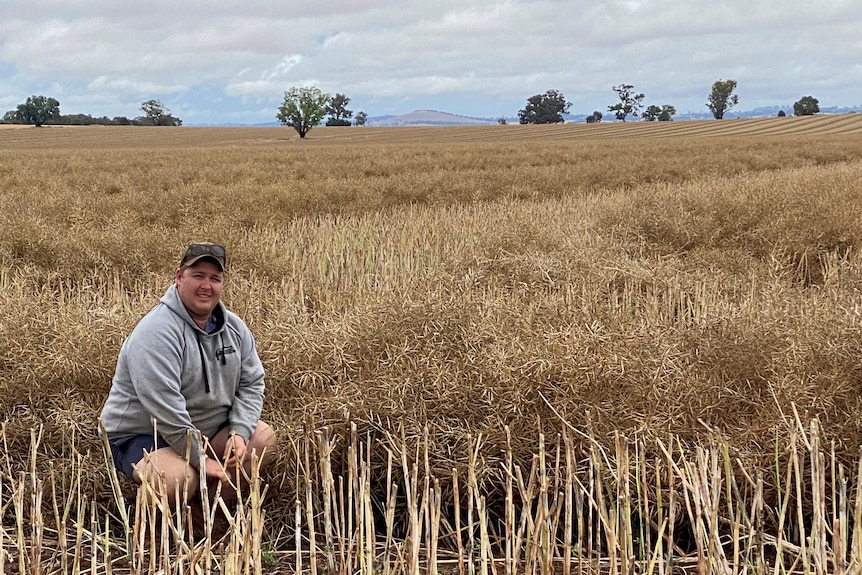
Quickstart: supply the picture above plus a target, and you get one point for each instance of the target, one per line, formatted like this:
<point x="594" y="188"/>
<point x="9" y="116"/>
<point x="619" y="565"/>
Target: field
<point x="498" y="349"/>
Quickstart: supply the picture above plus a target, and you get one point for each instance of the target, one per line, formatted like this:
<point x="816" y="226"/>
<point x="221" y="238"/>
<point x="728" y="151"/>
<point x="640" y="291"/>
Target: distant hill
<point x="427" y="118"/>
<point x="415" y="118"/>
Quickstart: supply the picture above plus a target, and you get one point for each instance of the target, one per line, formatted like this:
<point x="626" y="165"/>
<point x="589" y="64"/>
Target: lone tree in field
<point x="630" y="103"/>
<point x="337" y="111"/>
<point x="38" y="110"/>
<point x="360" y="119"/>
<point x="547" y="108"/>
<point x="721" y="98"/>
<point x="806" y="106"/>
<point x="302" y="109"/>
<point x="155" y="114"/>
<point x="594" y="118"/>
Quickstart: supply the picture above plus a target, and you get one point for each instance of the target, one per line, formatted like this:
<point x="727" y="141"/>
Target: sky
<point x="214" y="62"/>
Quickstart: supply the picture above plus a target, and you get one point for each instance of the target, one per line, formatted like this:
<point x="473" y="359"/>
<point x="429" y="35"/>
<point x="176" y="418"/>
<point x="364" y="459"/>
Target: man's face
<point x="200" y="288"/>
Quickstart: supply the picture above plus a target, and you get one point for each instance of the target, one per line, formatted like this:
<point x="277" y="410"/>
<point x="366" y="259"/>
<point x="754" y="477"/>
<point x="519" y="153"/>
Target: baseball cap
<point x="196" y="252"/>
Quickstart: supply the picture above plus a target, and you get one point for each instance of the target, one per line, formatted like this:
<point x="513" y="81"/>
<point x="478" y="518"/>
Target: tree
<point x="667" y="113"/>
<point x="38" y="110"/>
<point x="806" y="106"/>
<point x="594" y="118"/>
<point x="155" y="114"/>
<point x="781" y="113"/>
<point x="361" y="119"/>
<point x="721" y="98"/>
<point x="303" y="108"/>
<point x="664" y="113"/>
<point x="630" y="103"/>
<point x="547" y="108"/>
<point x="651" y="113"/>
<point x="337" y="110"/>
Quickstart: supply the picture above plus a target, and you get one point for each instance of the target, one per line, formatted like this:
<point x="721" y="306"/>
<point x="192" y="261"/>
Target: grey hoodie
<point x="174" y="373"/>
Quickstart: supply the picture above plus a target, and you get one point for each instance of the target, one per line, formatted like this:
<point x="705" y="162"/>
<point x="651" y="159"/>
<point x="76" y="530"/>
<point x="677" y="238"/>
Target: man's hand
<point x="234" y="451"/>
<point x="215" y="470"/>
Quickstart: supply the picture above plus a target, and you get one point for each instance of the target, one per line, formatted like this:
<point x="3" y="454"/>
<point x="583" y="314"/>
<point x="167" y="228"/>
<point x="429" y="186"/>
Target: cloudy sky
<point x="230" y="61"/>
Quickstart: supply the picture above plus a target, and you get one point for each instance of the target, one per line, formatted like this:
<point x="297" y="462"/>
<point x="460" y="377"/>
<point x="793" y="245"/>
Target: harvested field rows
<point x="114" y="137"/>
<point x="521" y="349"/>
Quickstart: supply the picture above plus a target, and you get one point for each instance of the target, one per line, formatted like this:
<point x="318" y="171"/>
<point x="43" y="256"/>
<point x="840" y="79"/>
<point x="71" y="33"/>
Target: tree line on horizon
<point x="550" y="107"/>
<point x="305" y="107"/>
<point x="301" y="109"/>
<point x="39" y="110"/>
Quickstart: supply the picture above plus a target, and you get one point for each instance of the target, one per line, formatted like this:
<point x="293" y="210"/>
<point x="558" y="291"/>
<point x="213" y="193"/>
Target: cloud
<point x="133" y="86"/>
<point x="220" y="58"/>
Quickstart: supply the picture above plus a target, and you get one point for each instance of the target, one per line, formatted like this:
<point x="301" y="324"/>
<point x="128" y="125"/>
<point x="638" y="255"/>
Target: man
<point x="188" y="371"/>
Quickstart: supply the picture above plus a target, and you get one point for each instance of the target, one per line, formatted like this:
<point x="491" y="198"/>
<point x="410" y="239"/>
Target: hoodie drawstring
<point x="203" y="363"/>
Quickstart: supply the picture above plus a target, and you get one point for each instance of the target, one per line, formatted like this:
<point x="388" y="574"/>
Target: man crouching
<point x="190" y="371"/>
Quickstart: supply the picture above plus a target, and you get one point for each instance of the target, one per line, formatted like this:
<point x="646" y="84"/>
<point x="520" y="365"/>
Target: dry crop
<point x="506" y="349"/>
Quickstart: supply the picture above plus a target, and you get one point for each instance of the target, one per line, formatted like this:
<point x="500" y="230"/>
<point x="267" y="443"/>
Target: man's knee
<point x="263" y="442"/>
<point x="165" y="469"/>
